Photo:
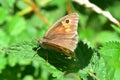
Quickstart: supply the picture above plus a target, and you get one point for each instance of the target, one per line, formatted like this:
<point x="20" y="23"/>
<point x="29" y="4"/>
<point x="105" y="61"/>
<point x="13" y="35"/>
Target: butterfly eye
<point x="67" y="20"/>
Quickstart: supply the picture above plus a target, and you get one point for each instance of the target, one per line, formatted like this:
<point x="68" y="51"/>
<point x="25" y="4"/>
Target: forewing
<point x="64" y="32"/>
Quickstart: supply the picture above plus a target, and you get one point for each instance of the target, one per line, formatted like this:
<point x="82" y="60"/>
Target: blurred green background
<point x="98" y="50"/>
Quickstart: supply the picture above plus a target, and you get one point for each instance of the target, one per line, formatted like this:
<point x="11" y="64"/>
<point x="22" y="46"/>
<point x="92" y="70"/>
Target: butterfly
<point x="62" y="36"/>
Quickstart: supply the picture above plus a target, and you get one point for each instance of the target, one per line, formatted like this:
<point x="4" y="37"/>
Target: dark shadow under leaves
<point x="65" y="63"/>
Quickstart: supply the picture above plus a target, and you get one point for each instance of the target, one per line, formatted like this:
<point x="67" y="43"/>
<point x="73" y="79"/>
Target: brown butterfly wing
<point x="63" y="33"/>
<point x="58" y="48"/>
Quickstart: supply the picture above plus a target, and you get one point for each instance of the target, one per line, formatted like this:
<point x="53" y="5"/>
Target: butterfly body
<point x="62" y="36"/>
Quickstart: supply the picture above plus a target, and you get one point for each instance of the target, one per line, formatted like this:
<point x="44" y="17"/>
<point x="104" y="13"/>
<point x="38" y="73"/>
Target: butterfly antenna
<point x="36" y="51"/>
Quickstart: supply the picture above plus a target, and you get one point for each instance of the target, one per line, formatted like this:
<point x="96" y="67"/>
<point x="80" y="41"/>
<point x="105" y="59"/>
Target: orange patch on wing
<point x="67" y="30"/>
<point x="60" y="28"/>
<point x="65" y="24"/>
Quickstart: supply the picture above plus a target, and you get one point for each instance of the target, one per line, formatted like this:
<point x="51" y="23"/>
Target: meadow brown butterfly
<point x="62" y="36"/>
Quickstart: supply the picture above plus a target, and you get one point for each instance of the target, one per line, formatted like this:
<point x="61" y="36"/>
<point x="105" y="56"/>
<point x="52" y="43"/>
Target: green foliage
<point x="111" y="55"/>
<point x="3" y="15"/>
<point x="22" y="58"/>
<point x="3" y="61"/>
<point x="117" y="29"/>
<point x="15" y="26"/>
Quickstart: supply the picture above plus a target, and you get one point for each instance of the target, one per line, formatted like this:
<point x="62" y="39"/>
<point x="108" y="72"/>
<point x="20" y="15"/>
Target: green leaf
<point x="10" y="3"/>
<point x="86" y="33"/>
<point x="7" y="3"/>
<point x="98" y="66"/>
<point x="3" y="14"/>
<point x="28" y="77"/>
<point x="4" y="40"/>
<point x="3" y="61"/>
<point x="83" y="19"/>
<point x="106" y="36"/>
<point x="23" y="54"/>
<point x="114" y="9"/>
<point x="113" y="48"/>
<point x="21" y="4"/>
<point x="95" y="67"/>
<point x="116" y="28"/>
<point x="16" y="25"/>
<point x="111" y="54"/>
<point x="51" y="69"/>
